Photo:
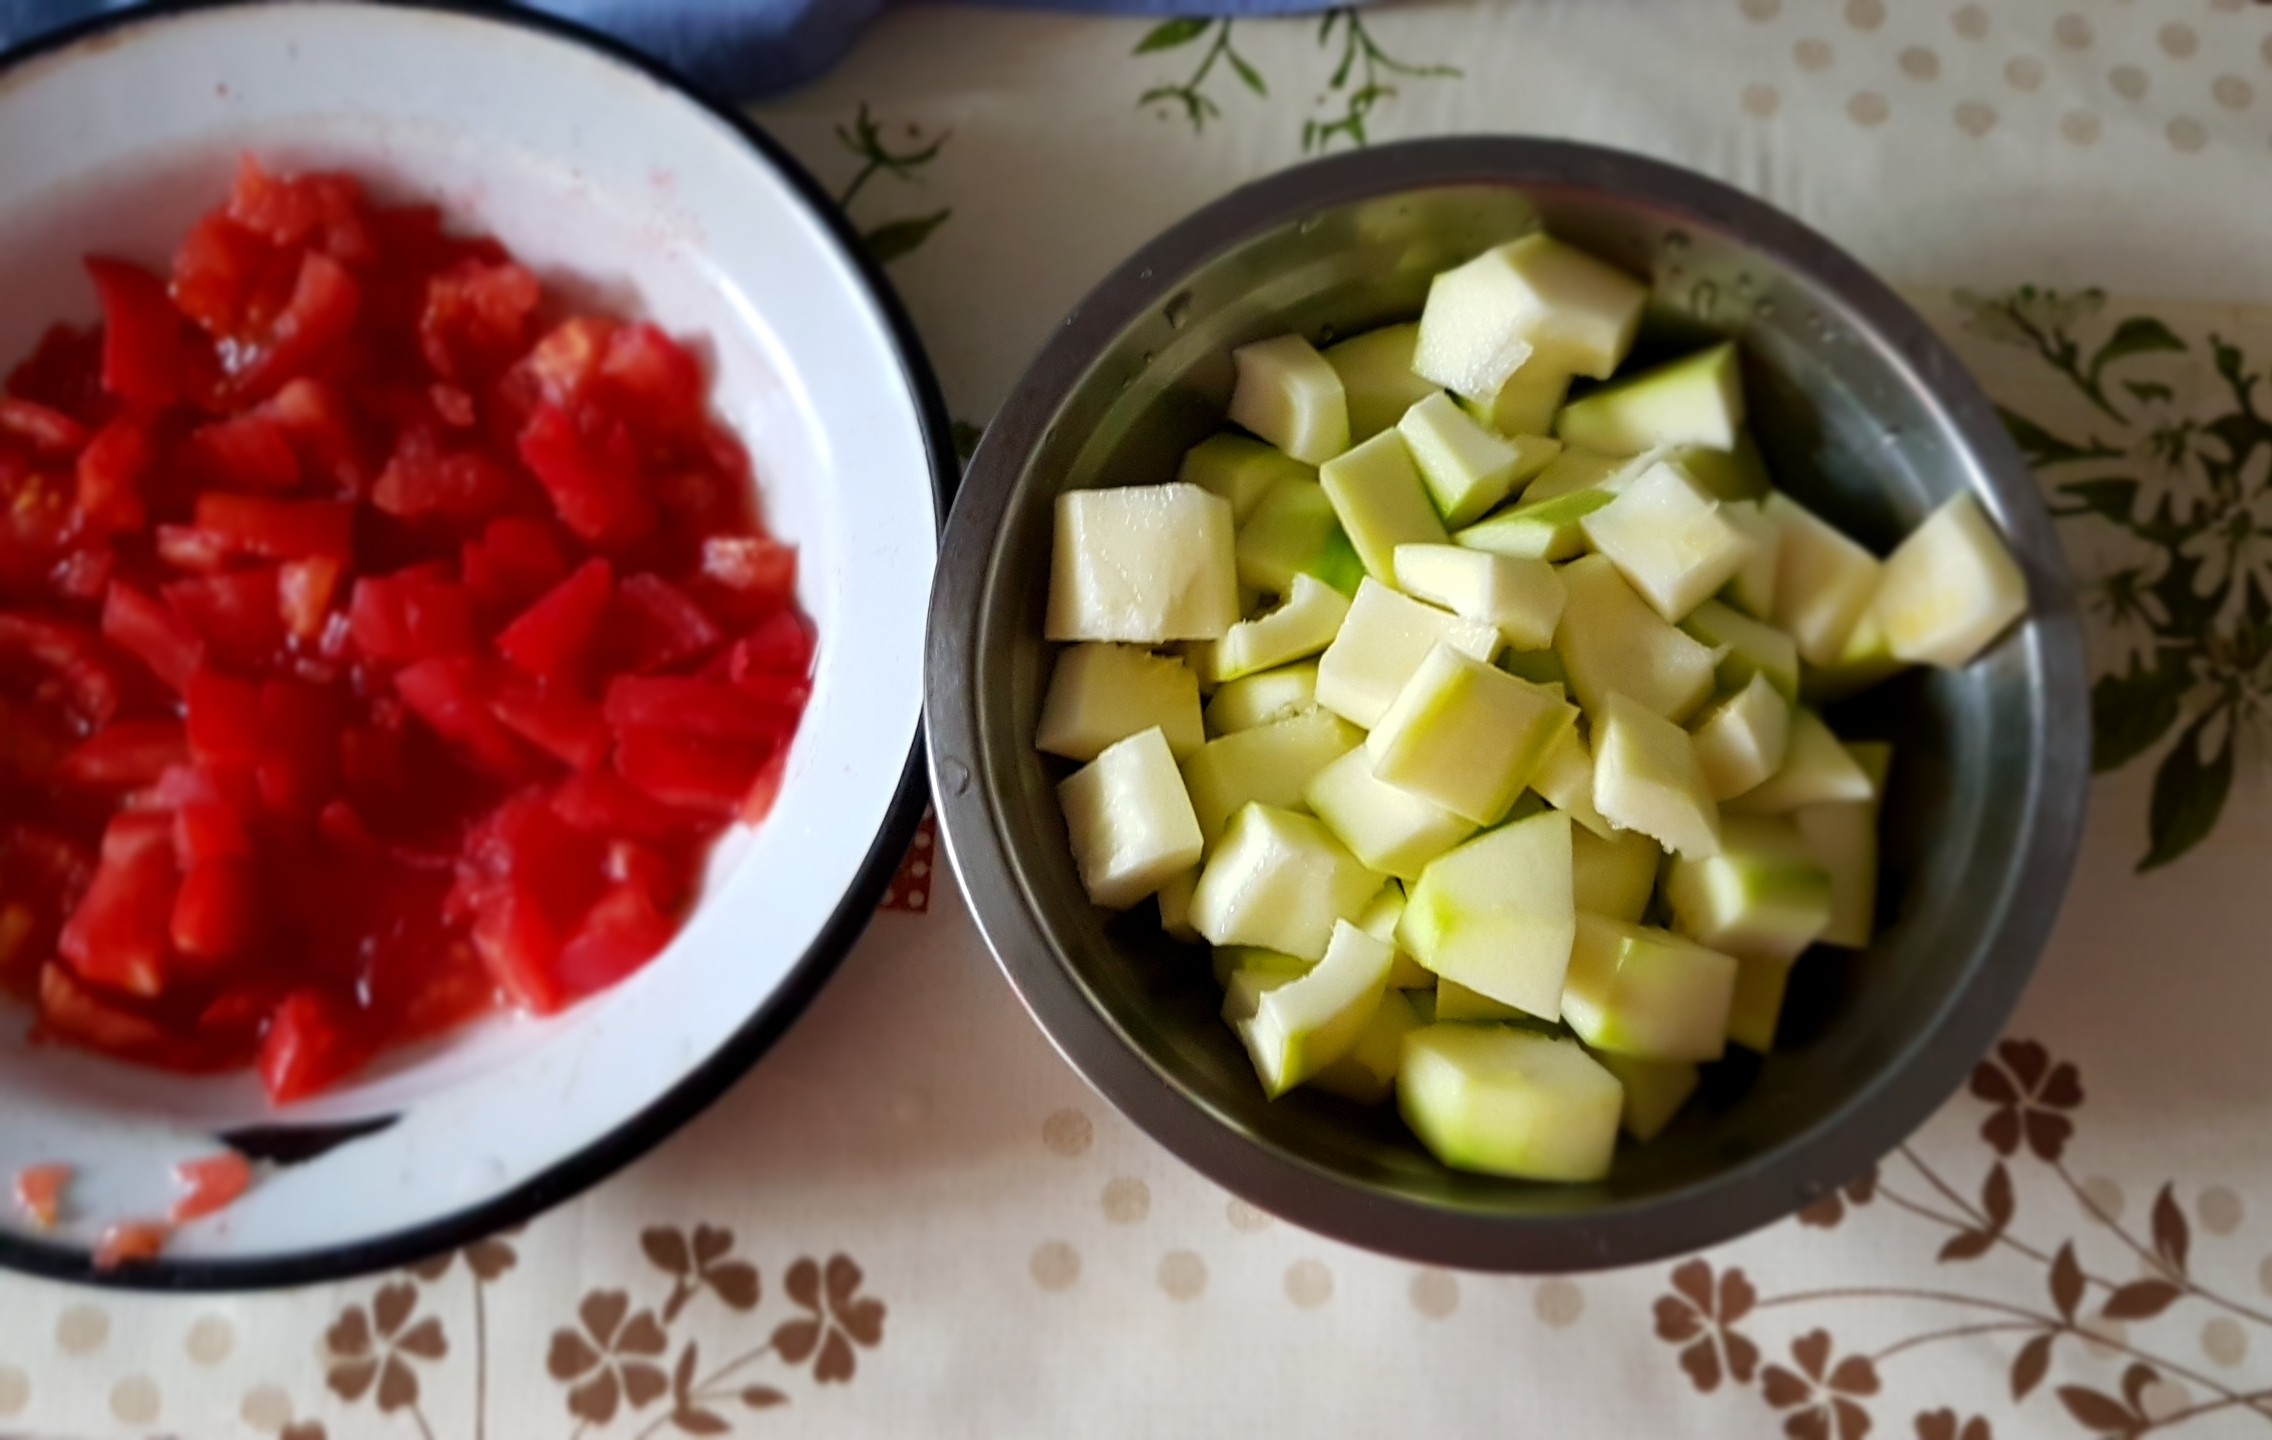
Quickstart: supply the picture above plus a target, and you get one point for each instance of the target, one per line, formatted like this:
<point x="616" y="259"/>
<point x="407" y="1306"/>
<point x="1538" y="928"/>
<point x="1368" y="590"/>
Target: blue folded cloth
<point x="738" y="48"/>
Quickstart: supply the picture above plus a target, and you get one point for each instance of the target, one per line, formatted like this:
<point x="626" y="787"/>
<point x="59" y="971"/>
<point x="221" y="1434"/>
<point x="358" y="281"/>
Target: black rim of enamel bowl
<point x="707" y="1082"/>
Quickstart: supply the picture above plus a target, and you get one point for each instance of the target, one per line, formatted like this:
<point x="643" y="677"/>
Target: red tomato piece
<point x="521" y="950"/>
<point x="39" y="1193"/>
<point x="765" y="790"/>
<point x="126" y="755"/>
<point x="697" y="707"/>
<point x="304" y="589"/>
<point x="143" y="349"/>
<point x="245" y="452"/>
<point x="448" y="695"/>
<point x="553" y="638"/>
<point x="75" y="661"/>
<point x="209" y="1185"/>
<point x="657" y="625"/>
<point x="319" y="315"/>
<point x="653" y="380"/>
<point x="72" y="1011"/>
<point x="476" y="319"/>
<point x="44" y="430"/>
<point x="373" y="765"/>
<point x="110" y="473"/>
<point x="152" y="633"/>
<point x="279" y="529"/>
<point x="63" y="372"/>
<point x="298" y="765"/>
<point x="515" y="560"/>
<point x="420" y="480"/>
<point x="224" y="718"/>
<point x="761" y="573"/>
<point x="118" y="936"/>
<point x="216" y="912"/>
<point x="287" y="211"/>
<point x="216" y="272"/>
<point x="554" y="719"/>
<point x="604" y="803"/>
<point x="322" y="432"/>
<point x="185" y="547"/>
<point x="37" y="523"/>
<point x="709" y="777"/>
<point x="594" y="487"/>
<point x="780" y="647"/>
<point x="130" y="1242"/>
<point x="412" y="615"/>
<point x="622" y="933"/>
<point x="238" y="612"/>
<point x="210" y="830"/>
<point x="563" y="361"/>
<point x="312" y="1044"/>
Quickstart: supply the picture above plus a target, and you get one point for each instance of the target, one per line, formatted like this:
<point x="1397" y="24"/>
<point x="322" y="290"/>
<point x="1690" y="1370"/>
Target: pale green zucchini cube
<point x="1174" y="900"/>
<point x="1865" y="660"/>
<point x="1392" y="830"/>
<point x="1526" y="404"/>
<point x="1304" y="625"/>
<point x="1293" y="531"/>
<point x="1382" y="643"/>
<point x="1130" y="823"/>
<point x="1466" y="735"/>
<point x="1634" y="990"/>
<point x="1695" y="400"/>
<point x="1537" y="530"/>
<point x="1455" y="1001"/>
<point x="1752" y="590"/>
<point x="1148" y="564"/>
<point x="1614" y="876"/>
<point x="1732" y="475"/>
<point x="1741" y="741"/>
<point x="1467" y="468"/>
<point x="1816" y="770"/>
<point x="1575" y="469"/>
<point x="1669" y="540"/>
<point x="1243" y="992"/>
<point x="1843" y="839"/>
<point x="1823" y="584"/>
<point x="1279" y="880"/>
<point x="1950" y="588"/>
<point x="1241" y="469"/>
<point x="1505" y="1101"/>
<point x="1522" y="598"/>
<point x="1647" y="778"/>
<point x="1367" y="1074"/>
<point x="1381" y="502"/>
<point x="1532" y="299"/>
<point x="1654" y="1091"/>
<point x="1539" y="667"/>
<point x="1228" y="960"/>
<point x="1565" y="780"/>
<point x="1289" y="395"/>
<point x="1101" y="694"/>
<point x="1380" y="921"/>
<point x="1376" y="376"/>
<point x="1748" y="648"/>
<point x="1762" y="897"/>
<point x="1272" y="763"/>
<point x="1301" y="1027"/>
<point x="1611" y="641"/>
<point x="1496" y="914"/>
<point x="1253" y="700"/>
<point x="1757" y="1008"/>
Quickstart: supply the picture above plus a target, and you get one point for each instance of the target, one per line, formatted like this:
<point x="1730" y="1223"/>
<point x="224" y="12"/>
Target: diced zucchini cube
<point x="1611" y="641"/>
<point x="1648" y="993"/>
<point x="1376" y="376"/>
<point x="1614" y="876"/>
<point x="1816" y="770"/>
<point x="1823" y="584"/>
<point x="1293" y="531"/>
<point x="1539" y="667"/>
<point x="1381" y="503"/>
<point x="1147" y="564"/>
<point x="1305" y="624"/>
<point x="1753" y="589"/>
<point x="1466" y="735"/>
<point x="1455" y="1001"/>
<point x="1526" y="404"/>
<point x="1865" y="660"/>
<point x="1367" y="1074"/>
<point x="1243" y="992"/>
<point x="1530" y="299"/>
<point x="1733" y="475"/>
<point x="1654" y="1091"/>
<point x="1537" y="530"/>
<point x="1271" y="763"/>
<point x="1241" y="469"/>
<point x="1174" y="899"/>
<point x="1102" y="694"/>
<point x="1504" y="1101"/>
<point x="1279" y="880"/>
<point x="1391" y="830"/>
<point x="1381" y="643"/>
<point x="1646" y="778"/>
<point x="1467" y="468"/>
<point x="1843" y="839"/>
<point x="1253" y="700"/>
<point x="1380" y="921"/>
<point x="1762" y="897"/>
<point x="1695" y="400"/>
<point x="1565" y="780"/>
<point x="1575" y="468"/>
<point x="1749" y="648"/>
<point x="1522" y="598"/>
<point x="1303" y="1026"/>
<point x="1289" y="395"/>
<point x="1228" y="960"/>
<point x="1129" y="820"/>
<point x="1741" y="741"/>
<point x="1669" y="540"/>
<point x="1950" y="588"/>
<point x="1496" y="916"/>
<point x="1757" y="1008"/>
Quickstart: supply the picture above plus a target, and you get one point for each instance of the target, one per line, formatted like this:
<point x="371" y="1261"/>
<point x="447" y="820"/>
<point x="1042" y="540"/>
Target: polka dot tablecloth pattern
<point x="913" y="1219"/>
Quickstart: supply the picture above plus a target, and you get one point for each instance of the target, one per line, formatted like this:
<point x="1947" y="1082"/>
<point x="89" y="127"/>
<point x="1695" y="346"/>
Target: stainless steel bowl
<point x="1862" y="413"/>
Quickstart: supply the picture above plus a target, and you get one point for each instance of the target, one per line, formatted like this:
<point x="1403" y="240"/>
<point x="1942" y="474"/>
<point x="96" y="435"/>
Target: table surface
<point x="914" y="1219"/>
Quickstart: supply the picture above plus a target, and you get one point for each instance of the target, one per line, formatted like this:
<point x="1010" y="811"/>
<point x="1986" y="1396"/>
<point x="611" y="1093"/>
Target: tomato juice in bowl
<point x="670" y="216"/>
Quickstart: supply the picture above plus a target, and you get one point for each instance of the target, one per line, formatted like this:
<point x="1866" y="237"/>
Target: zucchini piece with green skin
<point x="1522" y="599"/>
<point x="1367" y="1074"/>
<point x="1301" y="627"/>
<point x="1467" y="736"/>
<point x="1752" y="591"/>
<point x="1610" y="640"/>
<point x="1539" y="667"/>
<point x="1733" y="475"/>
<point x="1506" y="1101"/>
<point x="1645" y="992"/>
<point x="1229" y="960"/>
<point x="1293" y="531"/>
<point x="1253" y="700"/>
<point x="1695" y="400"/>
<point x="1382" y="643"/>
<point x="1381" y="502"/>
<point x="1865" y="660"/>
<point x="1816" y="770"/>
<point x="1750" y="647"/>
<point x="1468" y="469"/>
<point x="1148" y="564"/>
<point x="1174" y="900"/>
<point x="1654" y="1091"/>
<point x="1380" y="921"/>
<point x="1526" y="404"/>
<point x="1289" y="395"/>
<point x="1843" y="839"/>
<point x="1614" y="877"/>
<point x="1496" y="915"/>
<point x="1281" y="881"/>
<point x="1271" y="763"/>
<point x="1241" y="469"/>
<point x="1647" y="778"/>
<point x="1763" y="897"/>
<point x="1101" y="694"/>
<point x="1129" y="820"/>
<point x="1305" y="1025"/>
<point x="1537" y="530"/>
<point x="1565" y="780"/>
<point x="1824" y="581"/>
<point x="1455" y="1001"/>
<point x="1574" y="469"/>
<point x="1667" y="537"/>
<point x="1950" y="588"/>
<point x="1376" y="377"/>
<point x="1531" y="300"/>
<point x="1243" y="992"/>
<point x="1741" y="741"/>
<point x="1391" y="830"/>
<point x="1757" y="1008"/>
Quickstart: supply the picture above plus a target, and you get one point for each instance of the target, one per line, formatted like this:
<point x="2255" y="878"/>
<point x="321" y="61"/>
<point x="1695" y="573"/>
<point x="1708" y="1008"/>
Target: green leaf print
<point x="2138" y="335"/>
<point x="2189" y="794"/>
<point x="1168" y="34"/>
<point x="889" y="241"/>
<point x="2131" y="713"/>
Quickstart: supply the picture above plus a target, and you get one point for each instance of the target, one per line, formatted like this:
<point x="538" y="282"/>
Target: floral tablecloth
<point x="913" y="1218"/>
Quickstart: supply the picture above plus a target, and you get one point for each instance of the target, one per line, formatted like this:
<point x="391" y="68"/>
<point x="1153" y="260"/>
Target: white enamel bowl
<point x="591" y="165"/>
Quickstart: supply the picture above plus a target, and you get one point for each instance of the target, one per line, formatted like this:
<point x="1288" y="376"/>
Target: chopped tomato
<point x="39" y="1193"/>
<point x="592" y="485"/>
<point x="288" y="211"/>
<point x="63" y="372"/>
<point x="217" y="910"/>
<point x="761" y="573"/>
<point x="209" y="1185"/>
<point x="239" y="612"/>
<point x="477" y="319"/>
<point x="143" y="344"/>
<point x="126" y="755"/>
<point x="322" y="432"/>
<point x="623" y="932"/>
<point x="697" y="707"/>
<point x="118" y="936"/>
<point x="422" y="481"/>
<point x="43" y="429"/>
<point x="554" y="719"/>
<point x="318" y="316"/>
<point x="152" y="633"/>
<point x="515" y="560"/>
<point x="130" y="1242"/>
<point x="766" y="788"/>
<point x="224" y="718"/>
<point x="210" y="830"/>
<point x="553" y="637"/>
<point x="279" y="529"/>
<point x="654" y="380"/>
<point x="780" y="645"/>
<point x="110" y="473"/>
<point x="413" y="615"/>
<point x="658" y="625"/>
<point x="312" y="1044"/>
<point x="449" y="696"/>
<point x="303" y="594"/>
<point x="73" y="665"/>
<point x="709" y="777"/>
<point x="604" y="803"/>
<point x="243" y="452"/>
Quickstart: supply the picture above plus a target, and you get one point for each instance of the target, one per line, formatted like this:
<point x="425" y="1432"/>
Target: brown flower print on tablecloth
<point x="1701" y="1318"/>
<point x="1824" y="1214"/>
<point x="1824" y="1398"/>
<point x="382" y="1345"/>
<point x="2031" y="1096"/>
<point x="609" y="1359"/>
<point x="836" y="1319"/>
<point x="1943" y="1424"/>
